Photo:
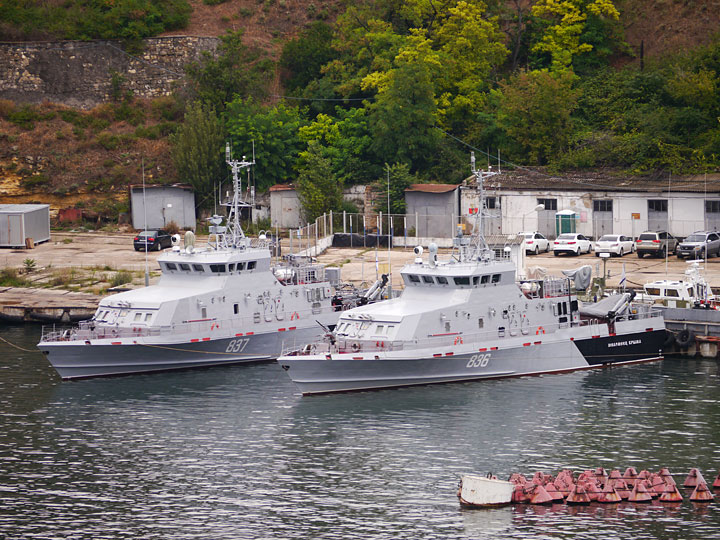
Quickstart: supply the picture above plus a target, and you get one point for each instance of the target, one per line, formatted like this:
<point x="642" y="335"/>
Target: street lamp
<point x="536" y="209"/>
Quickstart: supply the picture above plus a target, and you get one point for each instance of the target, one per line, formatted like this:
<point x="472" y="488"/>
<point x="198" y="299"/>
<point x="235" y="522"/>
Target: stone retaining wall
<point x="79" y="73"/>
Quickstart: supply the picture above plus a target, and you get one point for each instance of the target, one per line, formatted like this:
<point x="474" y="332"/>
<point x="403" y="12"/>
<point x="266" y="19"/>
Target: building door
<point x="602" y="218"/>
<point x="712" y="215"/>
<point x="492" y="221"/>
<point x="546" y="217"/>
<point x="657" y="215"/>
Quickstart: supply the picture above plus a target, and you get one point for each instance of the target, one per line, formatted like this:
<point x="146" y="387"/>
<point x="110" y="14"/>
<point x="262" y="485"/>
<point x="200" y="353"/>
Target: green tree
<point x="346" y="142"/>
<point x="565" y="22"/>
<point x="197" y="151"/>
<point x="404" y="117"/>
<point x="236" y="70"/>
<point x="274" y="133"/>
<point x="399" y="178"/>
<point x="303" y="57"/>
<point x="318" y="188"/>
<point x="535" y="109"/>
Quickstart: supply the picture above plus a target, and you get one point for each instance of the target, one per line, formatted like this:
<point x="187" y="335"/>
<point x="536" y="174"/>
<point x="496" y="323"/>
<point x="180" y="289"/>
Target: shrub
<point x="108" y="141"/>
<point x="24" y="117"/>
<point x="121" y="278"/>
<point x="34" y="181"/>
<point x="171" y="227"/>
<point x="9" y="277"/>
<point x="6" y="108"/>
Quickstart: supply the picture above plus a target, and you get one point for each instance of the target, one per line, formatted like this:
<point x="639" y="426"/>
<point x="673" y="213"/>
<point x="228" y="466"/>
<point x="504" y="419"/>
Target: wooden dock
<point x="45" y="305"/>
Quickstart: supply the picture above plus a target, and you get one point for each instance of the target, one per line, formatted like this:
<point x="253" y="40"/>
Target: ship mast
<point x="232" y="235"/>
<point x="478" y="248"/>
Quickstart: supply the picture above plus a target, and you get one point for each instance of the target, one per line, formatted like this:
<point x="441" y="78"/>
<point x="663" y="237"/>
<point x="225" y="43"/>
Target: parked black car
<point x="699" y="245"/>
<point x="152" y="240"/>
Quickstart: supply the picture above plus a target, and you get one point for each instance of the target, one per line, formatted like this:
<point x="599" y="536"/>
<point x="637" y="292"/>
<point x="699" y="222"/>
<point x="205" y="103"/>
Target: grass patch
<point x="10" y="277"/>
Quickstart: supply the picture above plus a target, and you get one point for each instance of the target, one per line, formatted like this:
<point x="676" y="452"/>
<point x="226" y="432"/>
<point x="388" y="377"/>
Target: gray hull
<point x="552" y="354"/>
<point x="75" y="360"/>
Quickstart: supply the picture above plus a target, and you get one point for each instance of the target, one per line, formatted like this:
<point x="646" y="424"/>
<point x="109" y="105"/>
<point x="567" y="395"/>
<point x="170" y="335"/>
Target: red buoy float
<point x="671" y="494"/>
<point x="578" y="496"/>
<point x="540" y="496"/>
<point x="716" y="483"/>
<point x="693" y="478"/>
<point x="640" y="494"/>
<point x="609" y="495"/>
<point x="630" y="476"/>
<point x="702" y="493"/>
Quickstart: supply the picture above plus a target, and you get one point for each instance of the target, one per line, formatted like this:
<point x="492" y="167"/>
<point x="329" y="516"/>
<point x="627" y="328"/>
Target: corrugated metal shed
<point x="21" y="221"/>
<point x="165" y="203"/>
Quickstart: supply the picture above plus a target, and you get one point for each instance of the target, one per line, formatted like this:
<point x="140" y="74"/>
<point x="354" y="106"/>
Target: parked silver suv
<point x="657" y="243"/>
<point x="699" y="245"/>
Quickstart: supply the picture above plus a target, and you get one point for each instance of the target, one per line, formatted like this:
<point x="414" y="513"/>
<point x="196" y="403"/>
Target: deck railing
<point x="442" y="343"/>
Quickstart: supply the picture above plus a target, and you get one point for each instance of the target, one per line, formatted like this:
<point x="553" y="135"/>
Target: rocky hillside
<point x="71" y="158"/>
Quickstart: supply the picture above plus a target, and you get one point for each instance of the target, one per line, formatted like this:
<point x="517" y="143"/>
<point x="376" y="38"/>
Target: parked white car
<point x="615" y="244"/>
<point x="535" y="242"/>
<point x="571" y="243"/>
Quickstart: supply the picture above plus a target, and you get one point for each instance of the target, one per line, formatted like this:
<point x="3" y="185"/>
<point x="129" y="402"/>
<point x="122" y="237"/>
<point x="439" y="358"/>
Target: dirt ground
<point x="96" y="256"/>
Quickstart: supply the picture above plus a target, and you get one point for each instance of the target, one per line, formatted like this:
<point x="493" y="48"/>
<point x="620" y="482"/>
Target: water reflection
<point x="235" y="452"/>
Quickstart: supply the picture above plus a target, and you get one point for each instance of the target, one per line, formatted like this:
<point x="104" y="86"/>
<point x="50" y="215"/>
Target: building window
<point x="712" y="207"/>
<point x="491" y="203"/>
<point x="602" y="206"/>
<point x="658" y="205"/>
<point x="549" y="204"/>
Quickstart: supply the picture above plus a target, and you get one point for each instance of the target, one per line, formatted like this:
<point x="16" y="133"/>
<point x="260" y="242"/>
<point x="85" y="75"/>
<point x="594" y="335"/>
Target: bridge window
<point x="185" y="267"/>
<point x="231" y="267"/>
<point x="484" y="280"/>
<point x="170" y="266"/>
<point x="428" y="279"/>
<point x="251" y="265"/>
<point x="442" y="280"/>
<point x="240" y="266"/>
<point x="476" y="280"/>
<point x="217" y="268"/>
<point x="462" y="280"/>
<point x="198" y="267"/>
<point x="496" y="278"/>
<point x="414" y="278"/>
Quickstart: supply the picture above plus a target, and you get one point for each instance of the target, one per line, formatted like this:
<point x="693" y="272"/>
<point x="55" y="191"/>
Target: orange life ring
<point x="539" y="329"/>
<point x="458" y="339"/>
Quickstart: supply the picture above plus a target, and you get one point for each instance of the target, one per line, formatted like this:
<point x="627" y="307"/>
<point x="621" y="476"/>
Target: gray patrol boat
<point x="468" y="318"/>
<point x="221" y="304"/>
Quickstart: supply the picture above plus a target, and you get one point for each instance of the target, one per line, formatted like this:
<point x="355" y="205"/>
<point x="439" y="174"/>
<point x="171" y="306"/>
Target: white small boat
<point x="481" y="491"/>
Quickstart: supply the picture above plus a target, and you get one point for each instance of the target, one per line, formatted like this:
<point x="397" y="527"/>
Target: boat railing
<point x="206" y="328"/>
<point x="345" y="344"/>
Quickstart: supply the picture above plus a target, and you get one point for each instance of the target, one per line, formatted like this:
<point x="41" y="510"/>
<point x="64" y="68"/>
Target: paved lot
<point x="100" y="250"/>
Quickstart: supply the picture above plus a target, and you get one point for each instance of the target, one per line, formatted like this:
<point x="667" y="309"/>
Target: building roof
<point x="187" y="187"/>
<point x="538" y="179"/>
<point x="432" y="188"/>
<point x="19" y="208"/>
<point x="282" y="187"/>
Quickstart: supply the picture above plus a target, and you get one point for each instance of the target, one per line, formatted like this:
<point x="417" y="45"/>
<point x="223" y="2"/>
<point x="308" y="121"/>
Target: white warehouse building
<point x="594" y="205"/>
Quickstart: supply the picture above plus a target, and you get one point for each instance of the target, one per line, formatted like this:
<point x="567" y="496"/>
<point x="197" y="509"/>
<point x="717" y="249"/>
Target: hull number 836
<point x="479" y="360"/>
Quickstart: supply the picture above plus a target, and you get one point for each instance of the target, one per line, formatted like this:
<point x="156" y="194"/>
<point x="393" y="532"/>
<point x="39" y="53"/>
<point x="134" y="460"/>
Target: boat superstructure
<point x="468" y="318"/>
<point x="219" y="304"/>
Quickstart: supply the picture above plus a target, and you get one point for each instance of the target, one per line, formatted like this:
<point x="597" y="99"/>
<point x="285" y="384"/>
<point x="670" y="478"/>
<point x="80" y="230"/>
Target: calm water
<point x="237" y="453"/>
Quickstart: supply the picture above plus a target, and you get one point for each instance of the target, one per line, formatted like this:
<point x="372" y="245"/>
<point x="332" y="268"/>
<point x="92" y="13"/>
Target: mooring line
<point x="18" y="347"/>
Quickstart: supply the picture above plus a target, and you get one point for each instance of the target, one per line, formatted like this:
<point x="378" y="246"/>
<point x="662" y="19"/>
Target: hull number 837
<point x="479" y="360"/>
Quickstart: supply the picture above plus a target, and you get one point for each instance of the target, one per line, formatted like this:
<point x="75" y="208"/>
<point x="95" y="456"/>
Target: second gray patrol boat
<point x="468" y="318"/>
